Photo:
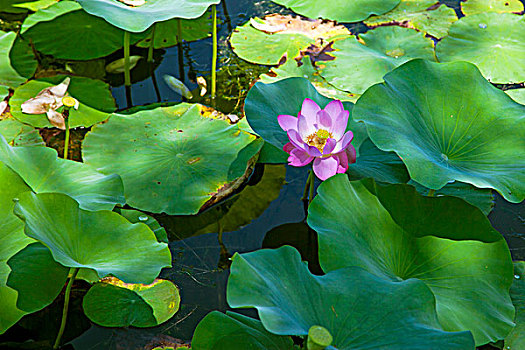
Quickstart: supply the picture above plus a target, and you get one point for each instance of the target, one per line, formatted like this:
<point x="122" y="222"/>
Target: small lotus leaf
<point x="35" y="5"/>
<point x="492" y="41"/>
<point x="12" y="240"/>
<point x="472" y="7"/>
<point x="515" y="340"/>
<point x="110" y="243"/>
<point x="304" y="68"/>
<point x="443" y="135"/>
<point x="399" y="235"/>
<point x="20" y="134"/>
<point x="135" y="216"/>
<point x="235" y="331"/>
<point x="36" y="276"/>
<point x="418" y="14"/>
<point x="9" y="6"/>
<point x="280" y="35"/>
<point x="265" y="102"/>
<point x="339" y="10"/>
<point x="172" y="159"/>
<point x="166" y="32"/>
<point x="360" y="310"/>
<point x="113" y="303"/>
<point x="82" y="36"/>
<point x="357" y="66"/>
<point x="140" y="18"/>
<point x="43" y="171"/>
<point x="517" y="95"/>
<point x="96" y="101"/>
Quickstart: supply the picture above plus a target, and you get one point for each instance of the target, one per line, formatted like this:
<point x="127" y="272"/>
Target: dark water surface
<point x="200" y="263"/>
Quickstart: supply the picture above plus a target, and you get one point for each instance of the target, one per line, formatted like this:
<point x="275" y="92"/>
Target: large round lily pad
<point x="113" y="303"/>
<point x="267" y="41"/>
<point x="82" y="36"/>
<point x="422" y="15"/>
<point x="515" y="340"/>
<point x="339" y="10"/>
<point x="422" y="113"/>
<point x="44" y="172"/>
<point x="265" y="102"/>
<point x="96" y="101"/>
<point x="235" y="331"/>
<point x="171" y="159"/>
<point x="360" y="310"/>
<point x="20" y="134"/>
<point x="492" y="41"/>
<point x="472" y="7"/>
<point x="12" y="240"/>
<point x="399" y="235"/>
<point x="140" y="18"/>
<point x="101" y="240"/>
<point x="357" y="66"/>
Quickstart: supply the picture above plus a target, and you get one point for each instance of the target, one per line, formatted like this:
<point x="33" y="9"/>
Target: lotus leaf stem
<point x="318" y="338"/>
<point x="312" y="182"/>
<point x="73" y="271"/>
<point x="151" y="45"/>
<point x="66" y="141"/>
<point x="214" y="52"/>
<point x="127" y="74"/>
<point x="307" y="185"/>
<point x="431" y="193"/>
<point x="180" y="51"/>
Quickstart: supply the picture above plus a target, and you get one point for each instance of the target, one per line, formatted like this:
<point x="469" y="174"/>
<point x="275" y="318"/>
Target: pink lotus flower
<point x="319" y="135"/>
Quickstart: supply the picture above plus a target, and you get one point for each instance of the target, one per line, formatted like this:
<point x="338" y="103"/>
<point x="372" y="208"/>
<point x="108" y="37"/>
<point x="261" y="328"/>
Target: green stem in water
<point x="307" y="185"/>
<point x="431" y="193"/>
<point x="66" y="142"/>
<point x="312" y="182"/>
<point x="73" y="271"/>
<point x="214" y="53"/>
<point x="151" y="45"/>
<point x="127" y="75"/>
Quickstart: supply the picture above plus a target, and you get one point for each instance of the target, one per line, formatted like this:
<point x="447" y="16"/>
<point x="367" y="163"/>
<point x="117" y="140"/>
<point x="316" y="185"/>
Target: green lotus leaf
<point x="357" y="66"/>
<point x="113" y="303"/>
<point x="218" y="331"/>
<point x="517" y="95"/>
<point x="377" y="164"/>
<point x="96" y="101"/>
<point x="110" y="243"/>
<point x="9" y="76"/>
<point x="291" y="36"/>
<point x="20" y="134"/>
<point x="82" y="36"/>
<point x="12" y="240"/>
<point x="339" y="10"/>
<point x="306" y="70"/>
<point x="360" y="310"/>
<point x="35" y="5"/>
<point x="515" y="340"/>
<point x="135" y="216"/>
<point x="270" y="154"/>
<point x="173" y="159"/>
<point x="265" y="102"/>
<point x="22" y="58"/>
<point x="166" y="32"/>
<point x="418" y="14"/>
<point x="472" y="7"/>
<point x="43" y="171"/>
<point x="398" y="235"/>
<point x="479" y="197"/>
<point x="8" y="6"/>
<point x="36" y="276"/>
<point x="498" y="36"/>
<point x="443" y="136"/>
<point x="140" y="18"/>
<point x="235" y="212"/>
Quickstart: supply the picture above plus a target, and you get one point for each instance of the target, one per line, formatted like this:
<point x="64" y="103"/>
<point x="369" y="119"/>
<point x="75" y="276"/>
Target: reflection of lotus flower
<point x="319" y="134"/>
<point x="48" y="101"/>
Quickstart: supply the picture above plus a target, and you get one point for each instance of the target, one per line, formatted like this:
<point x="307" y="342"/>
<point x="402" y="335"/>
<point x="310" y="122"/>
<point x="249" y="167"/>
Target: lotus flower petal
<point x="298" y="157"/>
<point x="324" y="120"/>
<point x="351" y="154"/>
<point x="288" y="147"/>
<point x="326" y="167"/>
<point x="339" y="126"/>
<point x="56" y="118"/>
<point x="59" y="90"/>
<point x="334" y="108"/>
<point x="343" y="162"/>
<point x="329" y="146"/>
<point x="287" y="122"/>
<point x="305" y="126"/>
<point x="309" y="109"/>
<point x="344" y="142"/>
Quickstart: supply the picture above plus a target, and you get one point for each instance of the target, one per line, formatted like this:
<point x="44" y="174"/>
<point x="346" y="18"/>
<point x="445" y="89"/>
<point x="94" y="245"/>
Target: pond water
<point x="200" y="263"/>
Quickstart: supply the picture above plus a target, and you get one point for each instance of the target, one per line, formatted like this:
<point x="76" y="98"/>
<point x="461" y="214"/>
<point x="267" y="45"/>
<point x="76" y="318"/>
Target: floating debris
<point x="202" y="84"/>
<point x="117" y="66"/>
<point x="177" y="86"/>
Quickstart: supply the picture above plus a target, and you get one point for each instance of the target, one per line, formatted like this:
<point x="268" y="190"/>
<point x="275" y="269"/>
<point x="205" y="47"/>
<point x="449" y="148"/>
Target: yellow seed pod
<point x="69" y="101"/>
